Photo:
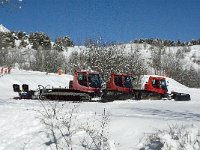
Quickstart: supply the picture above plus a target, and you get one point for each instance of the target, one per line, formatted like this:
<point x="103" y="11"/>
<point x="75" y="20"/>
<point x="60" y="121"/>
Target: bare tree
<point x="3" y="56"/>
<point x="156" y="58"/>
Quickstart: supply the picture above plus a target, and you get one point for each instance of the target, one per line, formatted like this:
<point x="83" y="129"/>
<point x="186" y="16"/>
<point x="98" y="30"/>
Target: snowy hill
<point x="21" y="127"/>
<point x="180" y="61"/>
<point x="22" y="41"/>
<point x="191" y="55"/>
<point x="3" y="29"/>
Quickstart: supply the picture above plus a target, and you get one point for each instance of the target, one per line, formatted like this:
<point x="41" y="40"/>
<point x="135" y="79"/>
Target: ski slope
<point x="21" y="128"/>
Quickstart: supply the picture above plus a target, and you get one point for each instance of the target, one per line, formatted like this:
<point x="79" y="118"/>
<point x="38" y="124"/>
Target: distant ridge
<point x="3" y="29"/>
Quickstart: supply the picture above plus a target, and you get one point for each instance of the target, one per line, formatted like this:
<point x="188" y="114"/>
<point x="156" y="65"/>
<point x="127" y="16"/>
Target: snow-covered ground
<point x="21" y="128"/>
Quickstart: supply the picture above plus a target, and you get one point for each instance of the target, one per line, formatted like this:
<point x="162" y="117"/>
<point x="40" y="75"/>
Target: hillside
<point x="36" y="51"/>
<point x="190" y="50"/>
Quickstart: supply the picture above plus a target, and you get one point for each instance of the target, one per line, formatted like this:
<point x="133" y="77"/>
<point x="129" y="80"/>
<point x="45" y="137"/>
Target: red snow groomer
<point x="86" y="86"/>
<point x="155" y="87"/>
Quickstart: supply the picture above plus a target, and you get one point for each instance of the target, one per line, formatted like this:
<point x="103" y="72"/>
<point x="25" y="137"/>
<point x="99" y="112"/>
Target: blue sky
<point x="113" y="20"/>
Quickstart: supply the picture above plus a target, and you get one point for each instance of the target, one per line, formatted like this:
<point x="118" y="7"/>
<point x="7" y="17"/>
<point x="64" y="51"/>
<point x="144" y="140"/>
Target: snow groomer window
<point x="118" y="81"/>
<point x="155" y="83"/>
<point x="94" y="80"/>
<point x="82" y="79"/>
<point x="128" y="82"/>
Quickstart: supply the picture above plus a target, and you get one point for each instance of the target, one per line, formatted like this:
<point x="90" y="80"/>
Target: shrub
<point x="65" y="128"/>
<point x="174" y="138"/>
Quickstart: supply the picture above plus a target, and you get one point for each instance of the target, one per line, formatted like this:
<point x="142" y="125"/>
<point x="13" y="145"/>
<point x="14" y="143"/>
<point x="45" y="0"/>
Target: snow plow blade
<point x="180" y="96"/>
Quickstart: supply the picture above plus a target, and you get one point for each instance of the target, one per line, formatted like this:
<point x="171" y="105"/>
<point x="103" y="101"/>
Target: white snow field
<point x="21" y="128"/>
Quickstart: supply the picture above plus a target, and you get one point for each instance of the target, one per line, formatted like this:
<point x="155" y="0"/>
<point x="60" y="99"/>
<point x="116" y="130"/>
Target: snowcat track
<point x="65" y="97"/>
<point x="109" y="96"/>
<point x="147" y="95"/>
<point x="62" y="94"/>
